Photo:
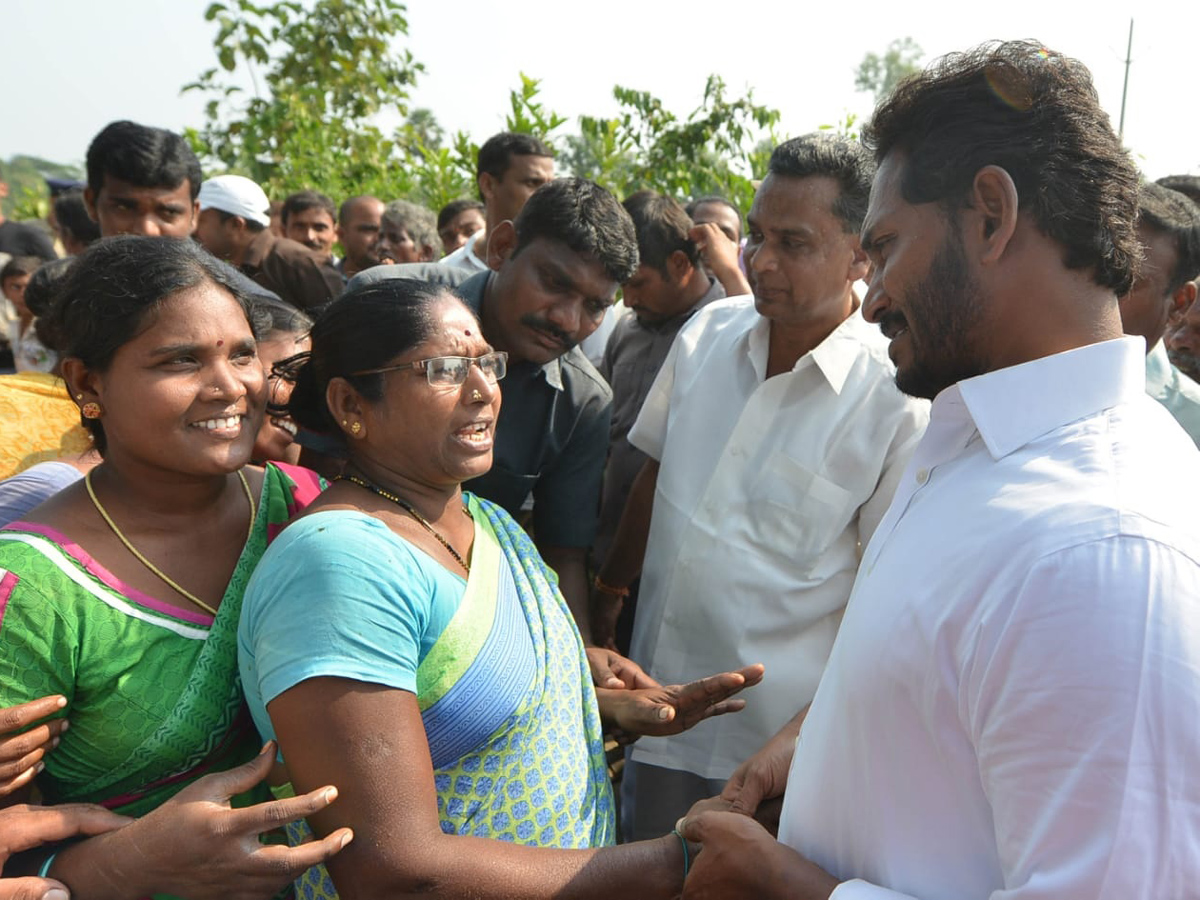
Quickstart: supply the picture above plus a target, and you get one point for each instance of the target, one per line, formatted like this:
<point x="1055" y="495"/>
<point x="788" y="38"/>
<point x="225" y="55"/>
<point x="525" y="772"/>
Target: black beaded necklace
<point x="408" y="508"/>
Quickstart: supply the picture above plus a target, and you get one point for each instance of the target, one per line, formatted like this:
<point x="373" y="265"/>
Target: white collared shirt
<point x="1012" y="708"/>
<point x="1174" y="390"/>
<point x="464" y="257"/>
<point x="765" y="490"/>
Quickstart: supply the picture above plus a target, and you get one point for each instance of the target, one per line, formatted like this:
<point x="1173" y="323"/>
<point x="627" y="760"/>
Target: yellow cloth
<point x="38" y="422"/>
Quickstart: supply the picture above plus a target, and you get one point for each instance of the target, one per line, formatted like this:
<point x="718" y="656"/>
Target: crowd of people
<point x="342" y="541"/>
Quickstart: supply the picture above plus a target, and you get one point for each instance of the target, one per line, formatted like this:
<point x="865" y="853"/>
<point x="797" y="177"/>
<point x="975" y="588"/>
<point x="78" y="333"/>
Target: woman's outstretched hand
<point x="670" y="709"/>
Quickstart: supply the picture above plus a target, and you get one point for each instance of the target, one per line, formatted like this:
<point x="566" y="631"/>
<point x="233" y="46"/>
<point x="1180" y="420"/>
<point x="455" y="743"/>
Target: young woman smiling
<point x="122" y="593"/>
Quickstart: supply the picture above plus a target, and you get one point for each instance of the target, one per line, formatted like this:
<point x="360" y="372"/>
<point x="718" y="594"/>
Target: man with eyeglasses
<point x="553" y="273"/>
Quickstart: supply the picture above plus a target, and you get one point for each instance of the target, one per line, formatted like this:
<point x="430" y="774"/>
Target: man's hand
<point x="739" y="858"/>
<point x="764" y="775"/>
<point x="673" y="708"/>
<point x="720" y="256"/>
<point x="24" y="827"/>
<point x="21" y="754"/>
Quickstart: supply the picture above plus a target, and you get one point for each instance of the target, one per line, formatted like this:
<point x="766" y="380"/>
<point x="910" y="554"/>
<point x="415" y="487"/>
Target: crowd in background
<point x="443" y="505"/>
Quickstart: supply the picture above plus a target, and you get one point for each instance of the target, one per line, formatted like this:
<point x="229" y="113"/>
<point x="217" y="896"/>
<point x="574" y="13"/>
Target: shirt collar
<point x="834" y="357"/>
<point x="1016" y="405"/>
<point x="553" y="372"/>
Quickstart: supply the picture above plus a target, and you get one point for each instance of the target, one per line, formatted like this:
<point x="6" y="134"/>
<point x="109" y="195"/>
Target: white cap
<point x="238" y="196"/>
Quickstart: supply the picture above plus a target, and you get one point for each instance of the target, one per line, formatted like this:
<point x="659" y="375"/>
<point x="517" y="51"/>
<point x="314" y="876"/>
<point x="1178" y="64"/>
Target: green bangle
<point x="45" y="869"/>
<point x="687" y="862"/>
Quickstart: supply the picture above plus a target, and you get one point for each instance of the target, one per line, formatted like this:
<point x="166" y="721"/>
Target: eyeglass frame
<point x="422" y="365"/>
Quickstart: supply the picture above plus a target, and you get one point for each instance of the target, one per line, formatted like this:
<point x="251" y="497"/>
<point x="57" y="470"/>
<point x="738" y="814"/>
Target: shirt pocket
<point x="796" y="513"/>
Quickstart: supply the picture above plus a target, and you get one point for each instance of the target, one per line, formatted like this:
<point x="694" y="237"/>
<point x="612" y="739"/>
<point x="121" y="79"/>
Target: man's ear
<point x="487" y="186"/>
<point x="501" y="241"/>
<point x="1181" y="300"/>
<point x="89" y="203"/>
<point x="679" y="267"/>
<point x="993" y="213"/>
<point x="860" y="263"/>
<point x="195" y="216"/>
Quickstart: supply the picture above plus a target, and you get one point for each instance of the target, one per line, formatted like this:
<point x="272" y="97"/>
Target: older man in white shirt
<point x="1012" y="708"/>
<point x="776" y="438"/>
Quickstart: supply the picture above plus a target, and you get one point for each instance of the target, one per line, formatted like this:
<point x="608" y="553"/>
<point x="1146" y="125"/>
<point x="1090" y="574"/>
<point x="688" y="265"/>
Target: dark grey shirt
<point x="551" y="440"/>
<point x="634" y="354"/>
<point x="435" y="272"/>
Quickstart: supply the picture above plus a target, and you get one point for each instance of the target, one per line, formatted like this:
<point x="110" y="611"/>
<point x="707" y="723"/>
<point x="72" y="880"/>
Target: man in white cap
<point x="233" y="225"/>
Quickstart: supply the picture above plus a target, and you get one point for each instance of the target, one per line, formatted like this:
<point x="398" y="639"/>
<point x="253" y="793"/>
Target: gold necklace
<point x="411" y="510"/>
<point x="87" y="480"/>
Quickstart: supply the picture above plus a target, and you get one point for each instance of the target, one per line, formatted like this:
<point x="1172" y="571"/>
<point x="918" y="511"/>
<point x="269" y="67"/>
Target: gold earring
<point x="79" y="396"/>
<point x="356" y="428"/>
<point x="91" y="411"/>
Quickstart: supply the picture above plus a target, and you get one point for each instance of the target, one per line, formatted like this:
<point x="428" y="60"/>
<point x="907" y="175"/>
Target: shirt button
<point x="922" y="476"/>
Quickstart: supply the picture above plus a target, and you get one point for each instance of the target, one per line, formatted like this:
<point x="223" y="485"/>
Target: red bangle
<point x="609" y="589"/>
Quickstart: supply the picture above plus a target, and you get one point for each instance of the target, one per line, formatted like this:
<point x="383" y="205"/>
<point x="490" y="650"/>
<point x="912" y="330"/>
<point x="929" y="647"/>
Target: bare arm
<point x="371" y="739"/>
<point x="720" y="256"/>
<point x="623" y="564"/>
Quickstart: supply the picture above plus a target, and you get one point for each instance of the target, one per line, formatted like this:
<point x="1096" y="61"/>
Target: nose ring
<point x="476" y="396"/>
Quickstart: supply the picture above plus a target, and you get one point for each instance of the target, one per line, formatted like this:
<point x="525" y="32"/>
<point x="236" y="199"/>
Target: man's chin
<point x="917" y="382"/>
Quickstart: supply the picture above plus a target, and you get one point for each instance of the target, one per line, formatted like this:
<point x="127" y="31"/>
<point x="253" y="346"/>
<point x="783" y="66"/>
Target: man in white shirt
<point x="1012" y="708"/>
<point x="1169" y="230"/>
<point x="775" y="439"/>
<point x="510" y="168"/>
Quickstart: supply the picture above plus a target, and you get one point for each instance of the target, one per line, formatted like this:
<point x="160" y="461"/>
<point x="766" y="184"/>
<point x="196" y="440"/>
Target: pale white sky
<point x="67" y="67"/>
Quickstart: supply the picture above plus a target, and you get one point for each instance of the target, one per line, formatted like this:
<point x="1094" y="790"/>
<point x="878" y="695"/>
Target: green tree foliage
<point x="321" y="77"/>
<point x="323" y="72"/>
<point x="880" y="74"/>
<point x="716" y="149"/>
<point x="26" y="177"/>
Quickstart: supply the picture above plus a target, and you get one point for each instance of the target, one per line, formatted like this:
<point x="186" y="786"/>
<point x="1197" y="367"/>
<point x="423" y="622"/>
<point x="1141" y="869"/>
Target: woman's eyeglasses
<point x="452" y="371"/>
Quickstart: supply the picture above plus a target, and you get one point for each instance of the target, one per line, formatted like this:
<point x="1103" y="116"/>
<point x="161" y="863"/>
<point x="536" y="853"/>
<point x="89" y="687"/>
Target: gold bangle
<point x="609" y="589"/>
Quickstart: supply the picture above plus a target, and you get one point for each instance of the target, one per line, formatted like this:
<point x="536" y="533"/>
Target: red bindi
<point x="220" y="343"/>
<point x="467" y="332"/>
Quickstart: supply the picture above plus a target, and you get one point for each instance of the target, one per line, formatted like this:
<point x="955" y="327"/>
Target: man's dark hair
<point x="499" y="149"/>
<point x="1188" y="185"/>
<point x="302" y="201"/>
<point x="1173" y="214"/>
<point x="252" y="226"/>
<point x="661" y="226"/>
<point x="1034" y="113"/>
<point x="830" y="156"/>
<point x="453" y="208"/>
<point x="18" y="266"/>
<point x="71" y="214"/>
<point x="143" y="156"/>
<point x="586" y="218"/>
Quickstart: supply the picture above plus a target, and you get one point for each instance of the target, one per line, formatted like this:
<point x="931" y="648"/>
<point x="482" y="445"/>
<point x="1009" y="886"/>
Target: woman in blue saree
<point x="404" y="640"/>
